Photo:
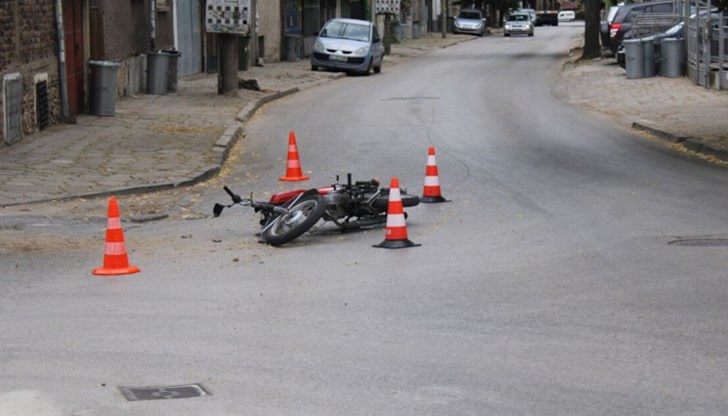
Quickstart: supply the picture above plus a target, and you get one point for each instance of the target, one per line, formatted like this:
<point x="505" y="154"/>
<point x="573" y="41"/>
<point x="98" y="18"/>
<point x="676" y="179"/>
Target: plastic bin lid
<point x="104" y="63"/>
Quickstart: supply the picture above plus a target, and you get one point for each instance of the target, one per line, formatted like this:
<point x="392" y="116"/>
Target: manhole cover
<point x="163" y="393"/>
<point x="700" y="242"/>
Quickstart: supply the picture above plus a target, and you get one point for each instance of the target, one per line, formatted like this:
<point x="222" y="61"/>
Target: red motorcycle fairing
<point x="283" y="197"/>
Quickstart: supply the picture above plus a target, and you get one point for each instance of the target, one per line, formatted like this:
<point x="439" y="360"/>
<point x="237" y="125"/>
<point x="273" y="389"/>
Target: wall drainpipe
<point x="62" y="83"/>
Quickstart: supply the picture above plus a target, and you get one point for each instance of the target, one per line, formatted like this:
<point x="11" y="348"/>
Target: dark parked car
<point x="622" y="22"/>
<point x="604" y="25"/>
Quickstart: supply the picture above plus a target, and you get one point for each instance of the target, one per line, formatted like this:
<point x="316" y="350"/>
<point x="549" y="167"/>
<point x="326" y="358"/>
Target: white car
<point x="566" y="16"/>
<point x="348" y="45"/>
<point x="518" y="24"/>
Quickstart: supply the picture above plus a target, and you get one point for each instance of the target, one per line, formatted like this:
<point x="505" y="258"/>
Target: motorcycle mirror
<point x="217" y="210"/>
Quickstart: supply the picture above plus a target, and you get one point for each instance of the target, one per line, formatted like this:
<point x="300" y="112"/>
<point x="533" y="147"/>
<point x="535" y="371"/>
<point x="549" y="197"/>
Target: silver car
<point x="469" y="21"/>
<point x="349" y="45"/>
<point x="518" y="23"/>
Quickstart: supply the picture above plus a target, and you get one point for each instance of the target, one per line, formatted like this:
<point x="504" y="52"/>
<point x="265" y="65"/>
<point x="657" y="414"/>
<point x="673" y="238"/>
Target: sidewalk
<point x="155" y="142"/>
<point x="690" y="117"/>
<point x="162" y="142"/>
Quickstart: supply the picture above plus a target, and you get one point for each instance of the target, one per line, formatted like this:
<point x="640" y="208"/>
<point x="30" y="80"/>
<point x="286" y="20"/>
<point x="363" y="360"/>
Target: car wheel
<point x="506" y="34"/>
<point x="370" y="68"/>
<point x="530" y="34"/>
<point x="378" y="69"/>
<point x="314" y="68"/>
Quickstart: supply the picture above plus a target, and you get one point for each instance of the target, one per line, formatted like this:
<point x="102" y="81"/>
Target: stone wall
<point x="28" y="47"/>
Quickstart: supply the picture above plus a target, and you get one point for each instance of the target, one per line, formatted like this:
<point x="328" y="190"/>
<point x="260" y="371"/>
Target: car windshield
<point x="469" y="15"/>
<point x="346" y="30"/>
<point x="519" y="18"/>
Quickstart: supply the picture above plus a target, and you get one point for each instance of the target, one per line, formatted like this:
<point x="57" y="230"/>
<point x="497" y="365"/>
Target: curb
<point x="692" y="144"/>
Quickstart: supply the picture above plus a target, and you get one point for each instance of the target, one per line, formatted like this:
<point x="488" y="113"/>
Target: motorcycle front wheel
<point x="302" y="215"/>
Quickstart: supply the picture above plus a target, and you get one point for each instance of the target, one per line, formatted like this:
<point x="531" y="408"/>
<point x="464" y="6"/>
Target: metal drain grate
<point x="164" y="393"/>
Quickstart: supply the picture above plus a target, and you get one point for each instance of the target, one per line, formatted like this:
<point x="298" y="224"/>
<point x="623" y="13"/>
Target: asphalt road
<point x="578" y="269"/>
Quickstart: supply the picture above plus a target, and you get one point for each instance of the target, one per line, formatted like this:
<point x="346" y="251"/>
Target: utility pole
<point x="443" y="17"/>
<point x="254" y="25"/>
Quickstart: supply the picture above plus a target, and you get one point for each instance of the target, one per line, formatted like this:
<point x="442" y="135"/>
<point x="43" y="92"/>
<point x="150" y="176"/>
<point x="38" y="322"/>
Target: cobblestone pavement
<point x="162" y="142"/>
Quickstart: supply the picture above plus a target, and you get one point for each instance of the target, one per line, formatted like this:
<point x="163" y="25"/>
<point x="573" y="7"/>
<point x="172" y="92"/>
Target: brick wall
<point x="28" y="47"/>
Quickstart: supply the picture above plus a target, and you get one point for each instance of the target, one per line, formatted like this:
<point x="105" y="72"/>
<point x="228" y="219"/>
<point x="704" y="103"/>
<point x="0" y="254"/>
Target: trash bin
<point x="292" y="42"/>
<point x="395" y="32"/>
<point x="649" y="58"/>
<point x="634" y="58"/>
<point x="672" y="63"/>
<point x="103" y="87"/>
<point x="172" y="69"/>
<point x="243" y="45"/>
<point x="157" y="72"/>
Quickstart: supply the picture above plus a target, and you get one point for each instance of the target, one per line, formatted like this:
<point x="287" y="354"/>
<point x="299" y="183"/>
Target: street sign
<point x="228" y="16"/>
<point x="388" y="7"/>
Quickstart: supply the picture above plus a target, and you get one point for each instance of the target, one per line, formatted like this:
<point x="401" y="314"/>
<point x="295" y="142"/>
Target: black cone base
<point x="396" y="244"/>
<point x="433" y="199"/>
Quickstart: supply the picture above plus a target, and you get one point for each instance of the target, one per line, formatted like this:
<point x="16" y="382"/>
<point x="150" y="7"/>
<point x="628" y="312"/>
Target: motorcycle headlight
<point x="362" y="51"/>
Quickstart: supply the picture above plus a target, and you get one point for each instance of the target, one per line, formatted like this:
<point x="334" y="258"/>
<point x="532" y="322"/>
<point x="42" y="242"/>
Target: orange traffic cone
<point x="395" y="233"/>
<point x="293" y="167"/>
<point x="115" y="258"/>
<point x="431" y="192"/>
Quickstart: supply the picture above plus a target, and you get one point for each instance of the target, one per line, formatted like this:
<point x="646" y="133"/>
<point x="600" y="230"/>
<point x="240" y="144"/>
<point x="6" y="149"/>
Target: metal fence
<point x="707" y="45"/>
<point x="645" y="24"/>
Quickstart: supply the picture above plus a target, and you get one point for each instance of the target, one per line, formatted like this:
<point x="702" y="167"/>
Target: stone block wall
<point x="28" y="47"/>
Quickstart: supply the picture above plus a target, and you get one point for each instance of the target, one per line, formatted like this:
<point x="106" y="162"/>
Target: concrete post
<point x="227" y="76"/>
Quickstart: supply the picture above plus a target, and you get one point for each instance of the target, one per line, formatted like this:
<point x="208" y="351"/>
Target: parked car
<point x="676" y="32"/>
<point x="604" y="25"/>
<point x="566" y="16"/>
<point x="350" y="45"/>
<point x="518" y="24"/>
<point x="622" y="22"/>
<point x="470" y="21"/>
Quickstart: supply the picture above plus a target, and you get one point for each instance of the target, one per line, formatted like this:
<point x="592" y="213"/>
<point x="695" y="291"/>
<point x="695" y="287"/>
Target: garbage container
<point x="649" y="58"/>
<point x="157" y="72"/>
<point x="672" y="62"/>
<point x="243" y="45"/>
<point x="634" y="58"/>
<point x="172" y="69"/>
<point x="395" y="32"/>
<point x="292" y="42"/>
<point x="103" y="87"/>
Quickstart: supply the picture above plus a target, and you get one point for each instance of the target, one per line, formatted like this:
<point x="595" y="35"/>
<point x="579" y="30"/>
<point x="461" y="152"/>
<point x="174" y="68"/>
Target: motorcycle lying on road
<point x="287" y="215"/>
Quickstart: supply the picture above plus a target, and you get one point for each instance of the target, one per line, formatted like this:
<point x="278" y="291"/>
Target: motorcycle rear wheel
<point x="303" y="214"/>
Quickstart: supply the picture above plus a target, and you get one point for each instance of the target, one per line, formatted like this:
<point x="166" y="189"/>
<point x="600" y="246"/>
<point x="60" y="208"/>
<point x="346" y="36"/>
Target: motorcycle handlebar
<point x="236" y="198"/>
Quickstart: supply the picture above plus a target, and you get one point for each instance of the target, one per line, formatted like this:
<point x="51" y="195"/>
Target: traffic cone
<point x="395" y="233"/>
<point x="431" y="192"/>
<point x="115" y="258"/>
<point x="293" y="167"/>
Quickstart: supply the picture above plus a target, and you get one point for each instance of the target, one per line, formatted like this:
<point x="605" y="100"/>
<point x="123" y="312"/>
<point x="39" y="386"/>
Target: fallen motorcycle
<point x="287" y="215"/>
